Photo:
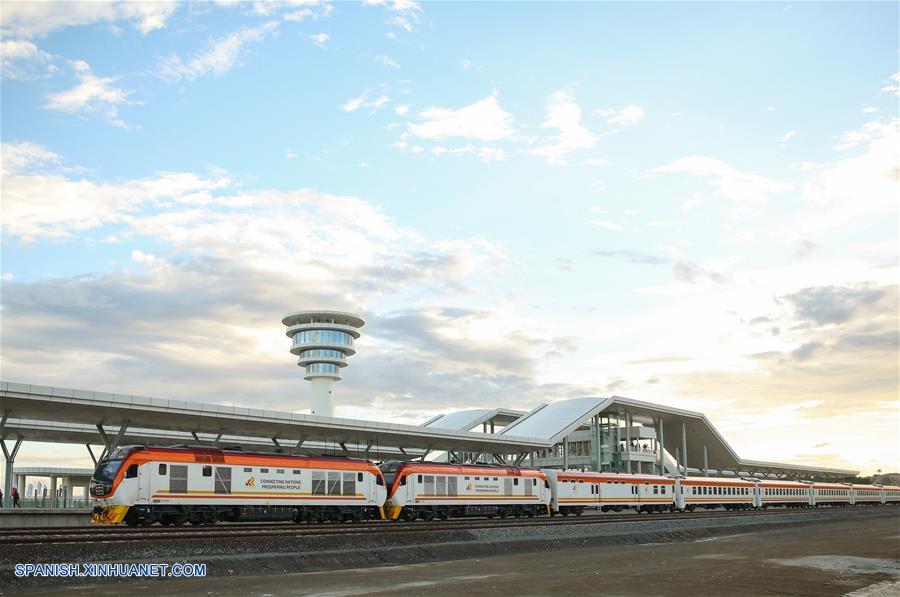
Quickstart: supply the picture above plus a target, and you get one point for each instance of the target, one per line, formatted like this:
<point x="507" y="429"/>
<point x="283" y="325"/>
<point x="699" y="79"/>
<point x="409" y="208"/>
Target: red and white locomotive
<point x="427" y="490"/>
<point x="140" y="485"/>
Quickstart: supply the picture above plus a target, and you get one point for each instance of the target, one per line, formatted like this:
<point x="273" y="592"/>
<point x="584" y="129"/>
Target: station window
<point x="207" y="471"/>
<point x="248" y="469"/>
<point x="162" y="469"/>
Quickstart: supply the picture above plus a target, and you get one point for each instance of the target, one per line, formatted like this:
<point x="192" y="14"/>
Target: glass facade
<point x="320" y="368"/>
<point x="328" y="354"/>
<point x="323" y="337"/>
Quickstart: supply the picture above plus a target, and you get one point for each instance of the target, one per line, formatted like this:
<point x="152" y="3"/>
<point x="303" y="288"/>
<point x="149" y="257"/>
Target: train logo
<point x="250" y="482"/>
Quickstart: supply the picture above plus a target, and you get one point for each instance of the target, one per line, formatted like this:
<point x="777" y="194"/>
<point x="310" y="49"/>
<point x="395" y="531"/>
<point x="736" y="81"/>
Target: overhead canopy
<point x="79" y="433"/>
<point x="466" y="420"/>
<point x="66" y="405"/>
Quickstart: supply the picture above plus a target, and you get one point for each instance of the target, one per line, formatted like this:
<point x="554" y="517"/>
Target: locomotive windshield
<point x="107" y="469"/>
<point x="389" y="470"/>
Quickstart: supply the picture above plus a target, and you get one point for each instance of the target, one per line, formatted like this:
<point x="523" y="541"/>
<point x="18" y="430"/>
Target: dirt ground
<point x="827" y="559"/>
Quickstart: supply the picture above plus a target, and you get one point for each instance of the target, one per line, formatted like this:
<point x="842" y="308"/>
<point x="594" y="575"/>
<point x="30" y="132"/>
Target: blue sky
<point x="685" y="203"/>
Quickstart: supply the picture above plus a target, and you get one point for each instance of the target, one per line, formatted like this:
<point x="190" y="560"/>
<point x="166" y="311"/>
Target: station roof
<point x="465" y="420"/>
<point x="555" y="421"/>
<point x="66" y="405"/>
<point x="79" y="433"/>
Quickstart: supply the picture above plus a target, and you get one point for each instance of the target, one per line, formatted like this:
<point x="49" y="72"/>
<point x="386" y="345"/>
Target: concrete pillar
<point x="705" y="462"/>
<point x="662" y="447"/>
<point x="565" y="453"/>
<point x="628" y="441"/>
<point x="684" y="446"/>
<point x="10" y="461"/>
<point x="53" y="492"/>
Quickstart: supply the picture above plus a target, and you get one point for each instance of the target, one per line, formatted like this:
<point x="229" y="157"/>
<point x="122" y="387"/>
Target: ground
<point x="832" y="558"/>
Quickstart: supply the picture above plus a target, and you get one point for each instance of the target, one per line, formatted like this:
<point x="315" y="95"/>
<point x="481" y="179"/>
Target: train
<point x="141" y="485"/>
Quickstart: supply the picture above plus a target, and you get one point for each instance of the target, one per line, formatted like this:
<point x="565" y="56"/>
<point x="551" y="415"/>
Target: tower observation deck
<point x="322" y="341"/>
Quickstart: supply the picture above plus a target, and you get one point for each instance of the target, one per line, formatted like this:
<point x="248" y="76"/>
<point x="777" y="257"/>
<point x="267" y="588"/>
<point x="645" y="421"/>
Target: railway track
<point x="10" y="537"/>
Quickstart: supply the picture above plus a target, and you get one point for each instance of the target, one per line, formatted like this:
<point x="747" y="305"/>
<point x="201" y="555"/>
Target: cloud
<point x="627" y="116"/>
<point x="320" y="39"/>
<point x="32" y="19"/>
<point x="387" y="61"/>
<point x="806" y="351"/>
<point x="596" y="162"/>
<point x="354" y="104"/>
<point x="788" y="136"/>
<point x="599" y="185"/>
<point x="635" y="257"/>
<point x="404" y="13"/>
<point x="21" y="59"/>
<point x="221" y="55"/>
<point x="487" y="154"/>
<point x="862" y="186"/>
<point x="825" y="305"/>
<point x="565" y="115"/>
<point x="483" y="120"/>
<point x="92" y="94"/>
<point x="893" y="87"/>
<point x="362" y="101"/>
<point x="41" y="201"/>
<point x="606" y="224"/>
<point x="731" y="182"/>
<point x="867" y="133"/>
<point x="401" y="109"/>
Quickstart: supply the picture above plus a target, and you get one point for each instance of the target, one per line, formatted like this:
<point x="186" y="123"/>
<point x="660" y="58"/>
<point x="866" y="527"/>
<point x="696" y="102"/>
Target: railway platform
<point x="29" y="518"/>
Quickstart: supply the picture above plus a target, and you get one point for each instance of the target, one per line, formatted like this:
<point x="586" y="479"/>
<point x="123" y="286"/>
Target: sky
<point x="693" y="204"/>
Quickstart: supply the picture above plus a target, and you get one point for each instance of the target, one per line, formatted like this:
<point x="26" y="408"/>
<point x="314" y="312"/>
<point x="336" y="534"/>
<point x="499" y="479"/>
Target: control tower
<point x="322" y="340"/>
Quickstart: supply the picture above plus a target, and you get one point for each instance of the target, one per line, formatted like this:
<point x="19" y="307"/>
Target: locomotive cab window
<point x="131" y="472"/>
<point x="207" y="471"/>
<point x="162" y="469"/>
